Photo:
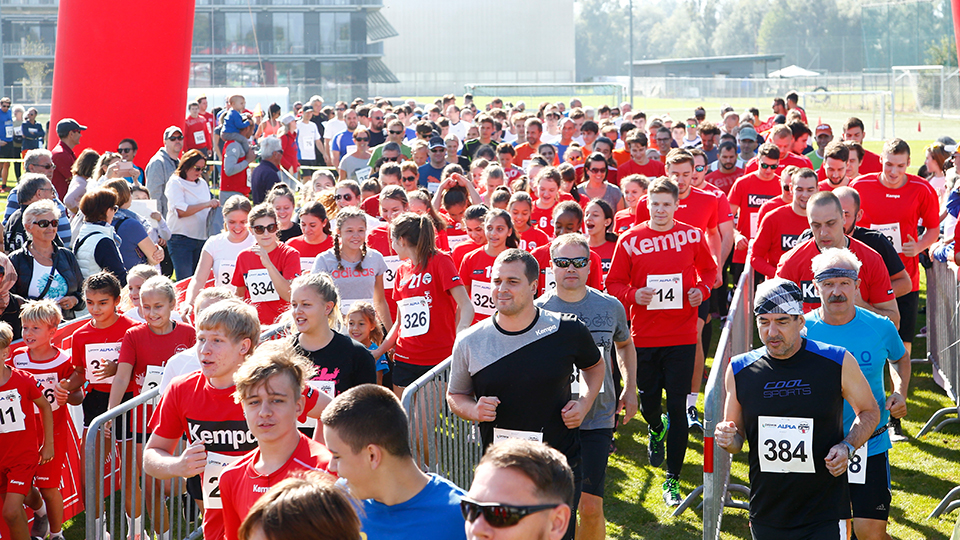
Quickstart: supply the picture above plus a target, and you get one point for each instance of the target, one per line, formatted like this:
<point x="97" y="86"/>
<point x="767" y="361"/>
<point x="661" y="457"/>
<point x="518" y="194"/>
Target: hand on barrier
<point x="726" y="436"/>
<point x="61" y="393"/>
<point x="695" y="295"/>
<point x="897" y="405"/>
<point x="192" y="460"/>
<point x="645" y="295"/>
<point x="46" y="453"/>
<point x="573" y="413"/>
<point x="487" y="409"/>
<point x="837" y="459"/>
<point x="628" y="405"/>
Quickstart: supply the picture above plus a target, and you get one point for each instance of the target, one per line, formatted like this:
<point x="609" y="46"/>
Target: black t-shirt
<point x="292" y="232"/>
<point x="529" y="371"/>
<point x="876" y="241"/>
<point x="343" y="360"/>
<point x="782" y="401"/>
<point x="318" y="121"/>
<point x="376" y="139"/>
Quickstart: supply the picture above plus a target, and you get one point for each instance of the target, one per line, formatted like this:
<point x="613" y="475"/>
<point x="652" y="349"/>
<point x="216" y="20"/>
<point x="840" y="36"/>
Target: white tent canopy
<point x="792" y="71"/>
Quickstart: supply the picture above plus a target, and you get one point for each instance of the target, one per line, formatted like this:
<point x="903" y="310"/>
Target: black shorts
<point x="825" y="530"/>
<point x="704" y="309"/>
<point x="94" y="404"/>
<point x="909" y="305"/>
<point x="405" y="374"/>
<point x="594" y="451"/>
<point x="9" y="151"/>
<point x="665" y="368"/>
<point x="871" y="500"/>
<point x="195" y="488"/>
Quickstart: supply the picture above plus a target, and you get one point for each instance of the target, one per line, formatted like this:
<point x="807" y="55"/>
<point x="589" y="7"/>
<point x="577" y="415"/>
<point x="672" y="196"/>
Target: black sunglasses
<point x="768" y="166"/>
<point x="499" y="515"/>
<point x="392" y="132"/>
<point x="175" y="138"/>
<point x="598" y="171"/>
<point x="44" y="223"/>
<point x="124" y="150"/>
<point x="260" y="229"/>
<point x="577" y="262"/>
<point x="361" y="139"/>
<point x="408" y="178"/>
<point x="348" y="197"/>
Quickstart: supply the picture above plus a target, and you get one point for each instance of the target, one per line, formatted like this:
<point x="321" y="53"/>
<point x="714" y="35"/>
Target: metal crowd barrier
<point x="943" y="350"/>
<point x="106" y="469"/>
<point x="443" y="443"/>
<point x="736" y="338"/>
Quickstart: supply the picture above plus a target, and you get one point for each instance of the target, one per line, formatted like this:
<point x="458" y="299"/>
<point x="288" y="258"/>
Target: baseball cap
<point x="747" y="133"/>
<point x="306" y="108"/>
<point x="436" y="142"/>
<point x="67" y="125"/>
<point x="170" y="131"/>
<point x="824" y="128"/>
<point x="287" y="118"/>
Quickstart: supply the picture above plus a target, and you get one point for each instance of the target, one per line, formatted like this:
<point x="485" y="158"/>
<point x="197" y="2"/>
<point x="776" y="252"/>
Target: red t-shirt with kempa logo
<point x="723" y="180"/>
<point x="874" y="279"/>
<point x="748" y="194"/>
<point x="778" y="234"/>
<point x="672" y="262"/>
<point x="770" y="206"/>
<point x="723" y="204"/>
<point x="897" y="212"/>
<point x="698" y="209"/>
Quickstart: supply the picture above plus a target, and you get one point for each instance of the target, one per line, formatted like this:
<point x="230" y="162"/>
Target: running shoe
<point x="671" y="492"/>
<point x="655" y="447"/>
<point x="896" y="430"/>
<point x="693" y="420"/>
<point x="40" y="527"/>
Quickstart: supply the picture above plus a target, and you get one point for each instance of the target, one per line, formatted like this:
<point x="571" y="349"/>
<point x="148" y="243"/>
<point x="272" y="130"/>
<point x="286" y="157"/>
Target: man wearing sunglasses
<point x="512" y="372"/>
<point x="395" y="134"/>
<point x="522" y="490"/>
<point x="162" y="165"/>
<point x="39" y="161"/>
<point x="431" y="171"/>
<point x="365" y="429"/>
<point x="69" y="132"/>
<point x="662" y="270"/>
<point x="604" y="315"/>
<point x="746" y="197"/>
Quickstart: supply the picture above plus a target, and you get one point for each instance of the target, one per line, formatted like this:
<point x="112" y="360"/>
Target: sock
<point x="42" y="511"/>
<point x="691" y="400"/>
<point x="58" y="534"/>
<point x="134" y="524"/>
<point x="165" y="535"/>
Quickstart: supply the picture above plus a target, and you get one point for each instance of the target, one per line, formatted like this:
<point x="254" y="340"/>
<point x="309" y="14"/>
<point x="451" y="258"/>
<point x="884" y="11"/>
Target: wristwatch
<point x="851" y="451"/>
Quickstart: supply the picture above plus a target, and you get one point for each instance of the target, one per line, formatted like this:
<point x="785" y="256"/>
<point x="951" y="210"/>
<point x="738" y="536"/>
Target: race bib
<point x="579" y="382"/>
<point x="9" y="131"/>
<point x="96" y="354"/>
<point x="48" y="382"/>
<point x="216" y="463"/>
<point x="11" y="413"/>
<point x="152" y="379"/>
<point x="857" y="466"/>
<point x="393" y="262"/>
<point x="345" y="305"/>
<point x="18" y="131"/>
<point x="668" y="291"/>
<point x="327" y="387"/>
<point x="456" y="240"/>
<point x="785" y="444"/>
<point x="432" y="187"/>
<point x="199" y="137"/>
<point x="500" y="434"/>
<point x="414" y="316"/>
<point x="892" y="232"/>
<point x="260" y="286"/>
<point x="481" y="294"/>
<point x="363" y="174"/>
<point x="549" y="279"/>
<point x="306" y="264"/>
<point x="225" y="272"/>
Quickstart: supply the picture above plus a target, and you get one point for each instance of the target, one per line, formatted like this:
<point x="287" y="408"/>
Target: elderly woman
<point x="32" y="187"/>
<point x="136" y="247"/>
<point x="188" y="203"/>
<point x="96" y="247"/>
<point x="44" y="268"/>
<point x="356" y="161"/>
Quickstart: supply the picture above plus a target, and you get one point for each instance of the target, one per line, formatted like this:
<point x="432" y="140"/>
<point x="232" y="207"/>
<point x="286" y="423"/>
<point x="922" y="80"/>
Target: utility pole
<point x="630" y="68"/>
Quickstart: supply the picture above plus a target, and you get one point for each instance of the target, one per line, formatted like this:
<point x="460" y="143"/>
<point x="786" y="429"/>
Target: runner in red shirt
<point x="662" y="269"/>
<point x="202" y="407"/>
<point x="746" y="197"/>
<point x="833" y="172"/>
<point x="781" y="228"/>
<point x="473" y="224"/>
<point x="270" y="387"/>
<point x="477" y="265"/>
<point x="49" y="365"/>
<point x="197" y="132"/>
<point x="420" y="204"/>
<point x="894" y="203"/>
<point x="316" y="237"/>
<point x="782" y="137"/>
<point x="432" y="301"/>
<point x="853" y="131"/>
<point x="727" y="171"/>
<point x="265" y="270"/>
<point x="639" y="162"/>
<point x="520" y="207"/>
<point x="785" y="197"/>
<point x="456" y="192"/>
<point x="825" y="217"/>
<point x="567" y="219"/>
<point x="634" y="188"/>
<point x="548" y="191"/>
<point x="393" y="202"/>
<point x="598" y="221"/>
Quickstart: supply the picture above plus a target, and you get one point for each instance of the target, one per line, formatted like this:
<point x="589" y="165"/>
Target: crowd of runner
<point x="568" y="260"/>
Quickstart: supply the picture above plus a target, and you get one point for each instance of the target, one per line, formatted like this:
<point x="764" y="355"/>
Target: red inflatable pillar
<point x="121" y="69"/>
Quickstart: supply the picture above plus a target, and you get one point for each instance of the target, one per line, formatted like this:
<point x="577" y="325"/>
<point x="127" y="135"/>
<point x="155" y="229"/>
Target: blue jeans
<point x="185" y="252"/>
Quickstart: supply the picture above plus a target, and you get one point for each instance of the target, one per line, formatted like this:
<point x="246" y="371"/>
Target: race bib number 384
<point x="785" y="444"/>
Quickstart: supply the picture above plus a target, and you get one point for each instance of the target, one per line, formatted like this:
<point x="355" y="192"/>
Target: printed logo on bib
<point x="306" y="264"/>
<point x="857" y="466"/>
<point x="500" y="434"/>
<point x="788" y="241"/>
<point x="96" y="355"/>
<point x="260" y="286"/>
<point x="216" y="463"/>
<point x="482" y="295"/>
<point x="456" y="240"/>
<point x="785" y="443"/>
<point x="892" y="232"/>
<point x="11" y="413"/>
<point x="668" y="291"/>
<point x="48" y="381"/>
<point x="225" y="272"/>
<point x="414" y="316"/>
<point x="390" y="276"/>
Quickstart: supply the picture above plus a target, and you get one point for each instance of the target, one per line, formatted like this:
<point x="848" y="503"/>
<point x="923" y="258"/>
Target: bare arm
<point x="194" y="208"/>
<point x="464" y="307"/>
<point x="726" y="239"/>
<point x="380" y="303"/>
<point x="200" y="277"/>
<point x="857" y="392"/>
<point x="160" y="462"/>
<point x="900" y="377"/>
<point x="119" y="386"/>
<point x="901" y="284"/>
<point x="729" y="433"/>
<point x="627" y="360"/>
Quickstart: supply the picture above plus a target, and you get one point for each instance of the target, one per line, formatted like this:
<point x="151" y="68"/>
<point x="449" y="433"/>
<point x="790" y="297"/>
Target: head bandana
<point x="778" y="295"/>
<point x="830" y="273"/>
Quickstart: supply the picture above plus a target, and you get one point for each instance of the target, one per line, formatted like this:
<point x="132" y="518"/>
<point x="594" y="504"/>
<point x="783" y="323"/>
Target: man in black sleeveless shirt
<point x="786" y="399"/>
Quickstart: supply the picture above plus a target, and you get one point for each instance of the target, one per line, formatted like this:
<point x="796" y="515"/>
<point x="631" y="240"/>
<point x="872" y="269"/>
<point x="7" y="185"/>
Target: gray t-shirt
<point x="612" y="195"/>
<point x="352" y="284"/>
<point x="606" y="319"/>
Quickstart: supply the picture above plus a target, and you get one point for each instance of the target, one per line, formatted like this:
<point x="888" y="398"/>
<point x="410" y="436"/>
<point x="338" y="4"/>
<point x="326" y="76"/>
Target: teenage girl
<point x="477" y="266"/>
<point x="598" y="219"/>
<point x="520" y="207"/>
<point x="316" y="234"/>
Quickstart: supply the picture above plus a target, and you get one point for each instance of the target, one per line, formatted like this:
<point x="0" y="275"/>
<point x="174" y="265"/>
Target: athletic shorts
<point x="871" y="500"/>
<point x="96" y="402"/>
<point x="18" y="477"/>
<point x="405" y="374"/>
<point x="909" y="305"/>
<point x="9" y="151"/>
<point x="825" y="530"/>
<point x="195" y="487"/>
<point x="653" y="363"/>
<point x="594" y="451"/>
<point x="48" y="474"/>
<point x="704" y="309"/>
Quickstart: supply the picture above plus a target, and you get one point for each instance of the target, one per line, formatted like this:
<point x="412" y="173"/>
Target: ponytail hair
<point x="608" y="213"/>
<point x="316" y="209"/>
<point x="423" y="196"/>
<point x="513" y="240"/>
<point x="417" y="231"/>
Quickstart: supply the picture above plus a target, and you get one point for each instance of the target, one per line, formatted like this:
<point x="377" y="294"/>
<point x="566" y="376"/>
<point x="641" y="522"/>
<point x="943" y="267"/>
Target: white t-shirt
<point x="181" y="194"/>
<point x="547" y="138"/>
<point x="224" y="253"/>
<point x="41" y="274"/>
<point x="460" y="130"/>
<point x="307" y="136"/>
<point x="332" y="128"/>
<point x="179" y="364"/>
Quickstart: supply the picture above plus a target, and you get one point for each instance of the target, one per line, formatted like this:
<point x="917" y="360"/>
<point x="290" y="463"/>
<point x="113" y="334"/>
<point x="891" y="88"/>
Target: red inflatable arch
<point x="121" y="69"/>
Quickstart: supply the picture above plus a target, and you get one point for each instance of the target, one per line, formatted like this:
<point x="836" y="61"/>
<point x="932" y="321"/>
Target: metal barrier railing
<point x="736" y="338"/>
<point x="943" y="350"/>
<point x="113" y="469"/>
<point x="443" y="442"/>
